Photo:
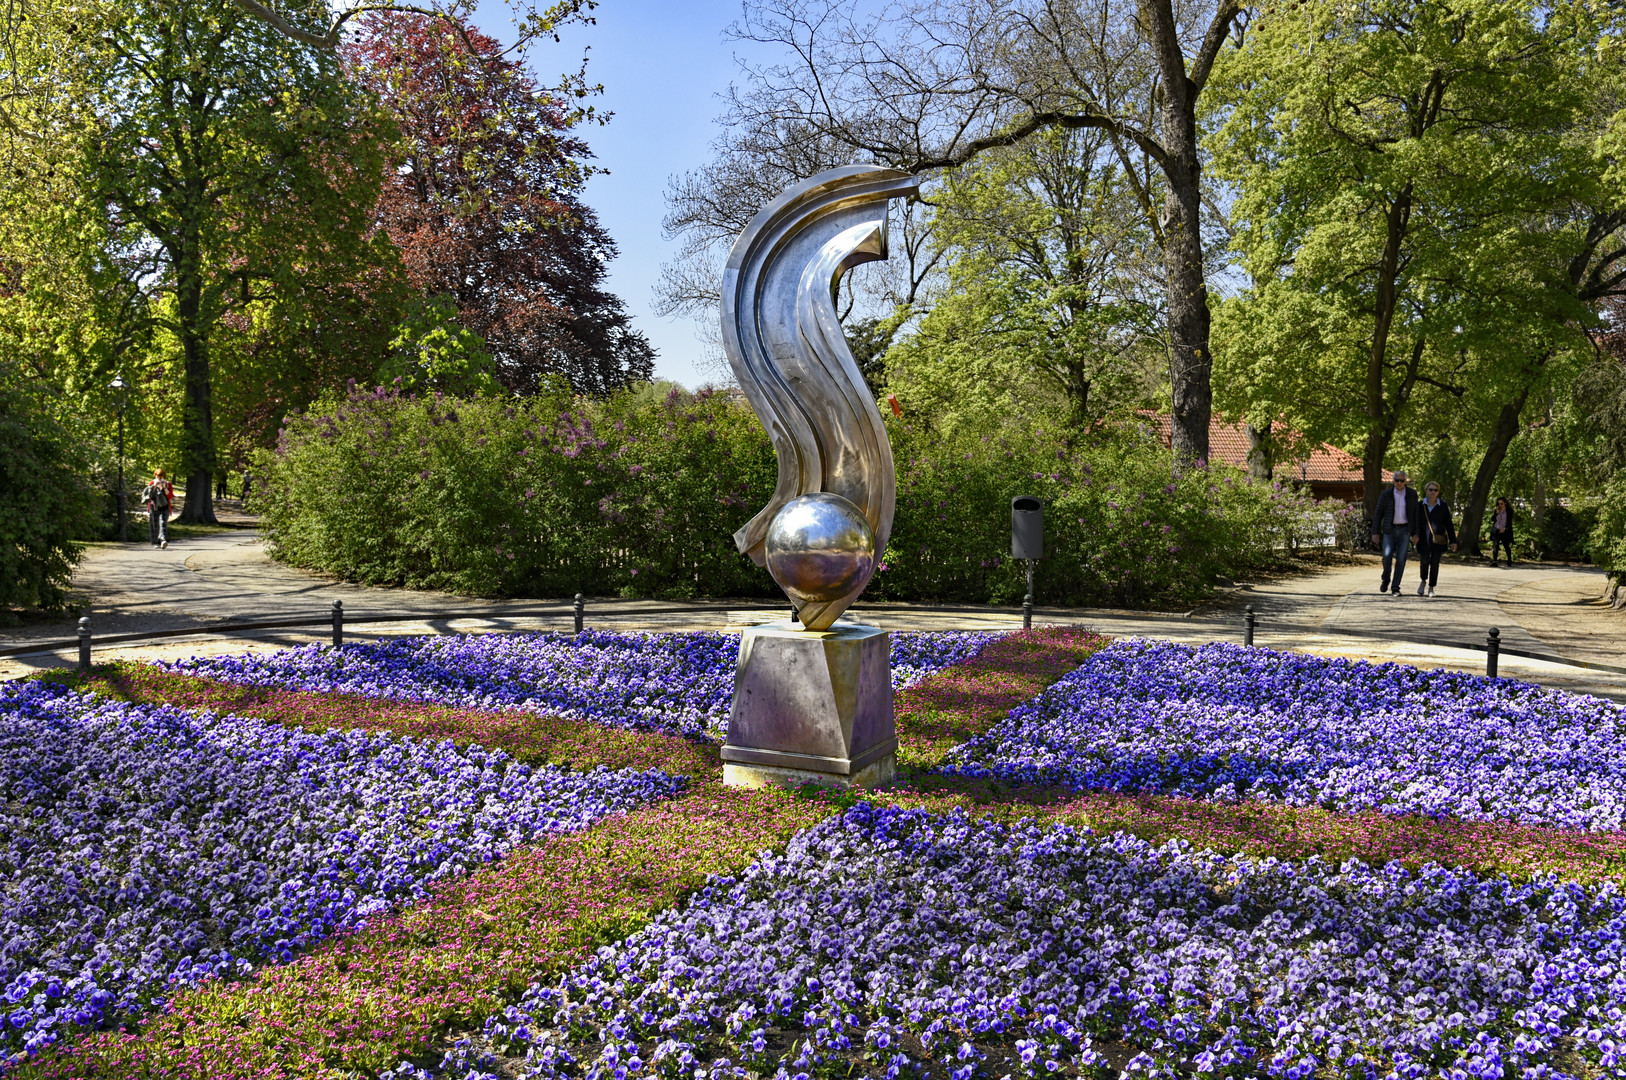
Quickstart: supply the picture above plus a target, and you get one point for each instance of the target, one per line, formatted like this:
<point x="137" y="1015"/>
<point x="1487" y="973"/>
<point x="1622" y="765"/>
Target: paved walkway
<point x="224" y="579"/>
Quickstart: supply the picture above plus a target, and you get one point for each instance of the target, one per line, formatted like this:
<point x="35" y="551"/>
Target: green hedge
<point x="637" y="497"/>
<point x="48" y="504"/>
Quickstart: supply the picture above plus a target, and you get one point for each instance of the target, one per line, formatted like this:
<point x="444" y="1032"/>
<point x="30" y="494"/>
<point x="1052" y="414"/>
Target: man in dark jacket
<point x="1399" y="516"/>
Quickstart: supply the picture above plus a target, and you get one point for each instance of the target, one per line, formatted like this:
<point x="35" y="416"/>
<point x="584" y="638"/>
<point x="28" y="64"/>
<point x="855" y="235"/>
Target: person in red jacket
<point x="159" y="497"/>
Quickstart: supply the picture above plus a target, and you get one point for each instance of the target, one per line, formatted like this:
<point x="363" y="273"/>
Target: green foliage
<point x="47" y="504"/>
<point x="1050" y="309"/>
<point x="1402" y="169"/>
<point x="1118" y="530"/>
<point x="432" y="351"/>
<point x="544" y="495"/>
<point x="1565" y="531"/>
<point x="638" y="495"/>
<point x="1607" y="542"/>
<point x="209" y="234"/>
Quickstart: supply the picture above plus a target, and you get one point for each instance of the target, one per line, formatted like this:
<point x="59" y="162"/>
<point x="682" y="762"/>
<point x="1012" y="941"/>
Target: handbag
<point x="1435" y="536"/>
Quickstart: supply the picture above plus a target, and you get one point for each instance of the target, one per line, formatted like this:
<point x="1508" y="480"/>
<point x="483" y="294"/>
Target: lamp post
<point x="119" y="386"/>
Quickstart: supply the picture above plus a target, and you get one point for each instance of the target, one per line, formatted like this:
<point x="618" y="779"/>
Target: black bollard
<point x="338" y="623"/>
<point x="84" y="643"/>
<point x="1247" y="625"/>
<point x="1493" y="650"/>
<point x="581" y="610"/>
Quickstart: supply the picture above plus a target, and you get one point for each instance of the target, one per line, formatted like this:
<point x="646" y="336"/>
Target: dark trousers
<point x="1396" y="546"/>
<point x="1504" y="541"/>
<point x="158" y="526"/>
<point x="1428" y="563"/>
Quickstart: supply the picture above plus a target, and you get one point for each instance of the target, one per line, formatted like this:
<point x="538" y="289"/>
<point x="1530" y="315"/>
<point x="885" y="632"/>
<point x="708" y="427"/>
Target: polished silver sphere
<point x="820" y="547"/>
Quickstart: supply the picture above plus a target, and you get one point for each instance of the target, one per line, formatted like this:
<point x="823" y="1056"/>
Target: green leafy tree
<point x="1051" y="308"/>
<point x="1388" y="158"/>
<point x="229" y="167"/>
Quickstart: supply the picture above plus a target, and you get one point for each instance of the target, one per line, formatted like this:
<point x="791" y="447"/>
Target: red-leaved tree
<point x="483" y="200"/>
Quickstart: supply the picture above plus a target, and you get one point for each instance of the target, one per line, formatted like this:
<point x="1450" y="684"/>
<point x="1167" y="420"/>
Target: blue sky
<point x="663" y="65"/>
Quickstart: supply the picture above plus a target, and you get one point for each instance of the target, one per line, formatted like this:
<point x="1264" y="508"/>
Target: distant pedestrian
<point x="220" y="484"/>
<point x="159" y="497"/>
<point x="1437" y="531"/>
<point x="1396" y="525"/>
<point x="248" y="478"/>
<point x="1502" y="530"/>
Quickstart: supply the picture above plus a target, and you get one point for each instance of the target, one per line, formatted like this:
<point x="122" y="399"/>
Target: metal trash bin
<point x="1027" y="528"/>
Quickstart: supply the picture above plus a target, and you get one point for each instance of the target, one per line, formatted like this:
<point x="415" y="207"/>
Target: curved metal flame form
<point x="788" y="352"/>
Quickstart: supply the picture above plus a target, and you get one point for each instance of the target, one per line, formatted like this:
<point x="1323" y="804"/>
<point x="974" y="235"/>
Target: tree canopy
<point x="483" y="202"/>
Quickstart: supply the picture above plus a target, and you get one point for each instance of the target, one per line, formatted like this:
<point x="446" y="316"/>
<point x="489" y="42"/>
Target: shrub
<point x="1607" y="543"/>
<point x="640" y="496"/>
<point x="47" y="506"/>
<point x="1564" y="531"/>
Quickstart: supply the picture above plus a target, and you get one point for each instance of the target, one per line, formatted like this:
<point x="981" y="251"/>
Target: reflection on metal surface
<point x="819" y="548"/>
<point x="791" y="358"/>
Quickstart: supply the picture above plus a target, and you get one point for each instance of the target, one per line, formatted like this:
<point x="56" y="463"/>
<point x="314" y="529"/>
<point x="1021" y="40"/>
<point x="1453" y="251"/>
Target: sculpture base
<point x="812" y="705"/>
<point x="875" y="774"/>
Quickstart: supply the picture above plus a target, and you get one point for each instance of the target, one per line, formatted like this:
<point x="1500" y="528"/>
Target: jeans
<point x="158" y="526"/>
<point x="1428" y="563"/>
<point x="1396" y="546"/>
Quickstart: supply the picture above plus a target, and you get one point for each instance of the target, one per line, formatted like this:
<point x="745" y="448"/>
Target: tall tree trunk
<point x="1190" y="364"/>
<point x="197" y="418"/>
<point x="1380" y="417"/>
<point x="1473" y="515"/>
<point x="1261" y="467"/>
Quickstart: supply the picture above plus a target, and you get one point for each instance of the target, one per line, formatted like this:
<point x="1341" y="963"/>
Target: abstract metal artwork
<point x="822" y="534"/>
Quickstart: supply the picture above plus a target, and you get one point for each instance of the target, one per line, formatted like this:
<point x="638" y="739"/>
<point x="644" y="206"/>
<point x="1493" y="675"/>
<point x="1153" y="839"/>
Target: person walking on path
<point x="1502" y="531"/>
<point x="1399" y="514"/>
<point x="159" y="497"/>
<point x="1436" y="532"/>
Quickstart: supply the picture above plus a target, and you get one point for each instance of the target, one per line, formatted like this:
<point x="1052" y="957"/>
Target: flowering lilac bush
<point x="887" y="942"/>
<point x="145" y="847"/>
<point x="1227" y="722"/>
<point x="680" y="684"/>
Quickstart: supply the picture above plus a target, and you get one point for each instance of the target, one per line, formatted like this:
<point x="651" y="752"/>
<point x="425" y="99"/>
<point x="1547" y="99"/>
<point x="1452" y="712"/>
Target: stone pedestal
<point x="812" y="705"/>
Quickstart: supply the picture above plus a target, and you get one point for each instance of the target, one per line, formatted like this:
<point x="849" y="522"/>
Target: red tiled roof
<point x="1229" y="443"/>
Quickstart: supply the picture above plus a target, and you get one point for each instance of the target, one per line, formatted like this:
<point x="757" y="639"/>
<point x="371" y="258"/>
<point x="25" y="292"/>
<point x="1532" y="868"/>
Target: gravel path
<point x="209" y="578"/>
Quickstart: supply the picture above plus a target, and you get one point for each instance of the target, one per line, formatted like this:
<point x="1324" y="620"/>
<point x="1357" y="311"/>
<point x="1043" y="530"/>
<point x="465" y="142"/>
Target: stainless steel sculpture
<point x="813" y="701"/>
<point x="785" y="343"/>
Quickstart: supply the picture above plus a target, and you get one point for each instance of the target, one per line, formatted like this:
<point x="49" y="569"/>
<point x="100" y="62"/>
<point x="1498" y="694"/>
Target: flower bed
<point x="888" y="941"/>
<point x="1230" y="723"/>
<point x="146" y="847"/>
<point x="361" y="1002"/>
<point x="680" y="684"/>
<point x="531" y="737"/>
